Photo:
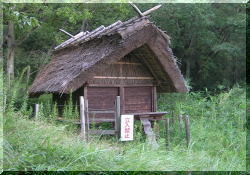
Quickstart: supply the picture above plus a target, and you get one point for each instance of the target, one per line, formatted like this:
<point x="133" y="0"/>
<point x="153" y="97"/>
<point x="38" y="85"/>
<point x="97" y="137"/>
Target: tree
<point x="14" y="16"/>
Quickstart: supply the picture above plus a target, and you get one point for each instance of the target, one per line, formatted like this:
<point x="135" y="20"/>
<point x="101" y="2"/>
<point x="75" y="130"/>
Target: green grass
<point x="218" y="141"/>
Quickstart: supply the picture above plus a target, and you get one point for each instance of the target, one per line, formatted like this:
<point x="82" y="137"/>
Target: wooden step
<point x="101" y="132"/>
<point x="99" y="120"/>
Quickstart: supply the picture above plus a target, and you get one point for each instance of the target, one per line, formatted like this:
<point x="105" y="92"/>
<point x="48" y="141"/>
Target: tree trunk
<point x="10" y="52"/>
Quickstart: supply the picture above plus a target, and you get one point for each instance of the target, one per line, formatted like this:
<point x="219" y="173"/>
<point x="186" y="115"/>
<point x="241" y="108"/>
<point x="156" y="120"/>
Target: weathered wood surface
<point x="128" y="71"/>
<point x="118" y="116"/>
<point x="102" y="102"/>
<point x="154" y="99"/>
<point x="67" y="33"/>
<point x="102" y="132"/>
<point x="82" y="118"/>
<point x="128" y="78"/>
<point x="94" y="55"/>
<point x="180" y="119"/>
<point x="36" y="111"/>
<point x="149" y="132"/>
<point x="101" y="112"/>
<point x="91" y="120"/>
<point x="86" y="110"/>
<point x="148" y="114"/>
<point x="151" y="10"/>
<point x="137" y="99"/>
<point x="138" y="11"/>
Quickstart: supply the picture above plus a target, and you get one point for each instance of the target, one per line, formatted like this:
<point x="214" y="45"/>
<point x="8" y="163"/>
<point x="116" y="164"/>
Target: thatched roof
<point x="77" y="59"/>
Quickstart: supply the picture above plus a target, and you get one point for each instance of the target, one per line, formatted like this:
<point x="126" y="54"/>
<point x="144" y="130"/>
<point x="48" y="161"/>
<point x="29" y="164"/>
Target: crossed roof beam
<point x="137" y="10"/>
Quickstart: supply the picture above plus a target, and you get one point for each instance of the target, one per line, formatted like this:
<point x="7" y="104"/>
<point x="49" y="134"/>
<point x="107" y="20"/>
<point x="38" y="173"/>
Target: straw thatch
<point x="76" y="60"/>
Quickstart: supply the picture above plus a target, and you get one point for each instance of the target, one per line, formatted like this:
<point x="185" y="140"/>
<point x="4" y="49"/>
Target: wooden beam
<point x="127" y="63"/>
<point x="122" y="96"/>
<point x="87" y="118"/>
<point x="146" y="12"/>
<point x="118" y="116"/>
<point x="82" y="117"/>
<point x="98" y="120"/>
<point x="67" y="33"/>
<point x="151" y="10"/>
<point x="136" y="9"/>
<point x="118" y="85"/>
<point x="101" y="112"/>
<point x="126" y="78"/>
<point x="36" y="111"/>
<point x="155" y="98"/>
<point x="102" y="132"/>
<point x="85" y="91"/>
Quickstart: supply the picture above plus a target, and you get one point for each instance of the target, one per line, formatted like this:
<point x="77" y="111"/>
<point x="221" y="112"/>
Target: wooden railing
<point x="85" y="120"/>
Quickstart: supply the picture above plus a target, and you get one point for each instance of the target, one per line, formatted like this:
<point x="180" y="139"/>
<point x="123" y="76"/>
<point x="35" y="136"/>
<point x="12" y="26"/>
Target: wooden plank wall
<point x="128" y="78"/>
<point x="102" y="98"/>
<point x="127" y="71"/>
<point x="138" y="99"/>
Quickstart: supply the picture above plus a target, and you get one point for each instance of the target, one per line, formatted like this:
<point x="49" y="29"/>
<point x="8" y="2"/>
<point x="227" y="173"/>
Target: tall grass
<point x="218" y="139"/>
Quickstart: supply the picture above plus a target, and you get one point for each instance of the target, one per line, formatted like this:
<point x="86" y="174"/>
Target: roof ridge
<point x="98" y="32"/>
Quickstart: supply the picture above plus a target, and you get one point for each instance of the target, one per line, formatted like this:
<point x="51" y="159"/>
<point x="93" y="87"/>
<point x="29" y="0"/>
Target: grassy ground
<point x="218" y="141"/>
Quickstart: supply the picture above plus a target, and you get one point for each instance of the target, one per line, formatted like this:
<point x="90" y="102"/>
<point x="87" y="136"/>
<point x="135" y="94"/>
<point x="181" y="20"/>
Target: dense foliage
<point x="208" y="39"/>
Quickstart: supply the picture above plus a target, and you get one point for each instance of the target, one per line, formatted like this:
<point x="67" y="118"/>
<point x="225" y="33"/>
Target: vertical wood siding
<point x="138" y="99"/>
<point x="102" y="98"/>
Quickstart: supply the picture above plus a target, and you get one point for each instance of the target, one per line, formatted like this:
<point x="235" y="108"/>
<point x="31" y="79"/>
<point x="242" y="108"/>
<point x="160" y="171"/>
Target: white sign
<point x="127" y="127"/>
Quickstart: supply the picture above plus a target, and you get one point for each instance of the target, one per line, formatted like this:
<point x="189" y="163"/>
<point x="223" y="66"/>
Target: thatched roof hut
<point x="77" y="61"/>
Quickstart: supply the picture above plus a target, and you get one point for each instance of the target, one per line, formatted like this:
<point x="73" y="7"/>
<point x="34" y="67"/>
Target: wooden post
<point x="187" y="128"/>
<point x="155" y="98"/>
<point x="87" y="118"/>
<point x="36" y="111"/>
<point x="149" y="132"/>
<point x="167" y="133"/>
<point x="172" y="117"/>
<point x="180" y="121"/>
<point x="118" y="116"/>
<point x="82" y="117"/>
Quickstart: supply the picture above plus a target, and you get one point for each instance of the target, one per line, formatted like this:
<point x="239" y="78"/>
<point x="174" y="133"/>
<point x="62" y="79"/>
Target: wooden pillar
<point x="149" y="132"/>
<point x="87" y="118"/>
<point x="154" y="99"/>
<point x="36" y="111"/>
<point x="118" y="116"/>
<point x="180" y="118"/>
<point x="122" y="98"/>
<point x="82" y="117"/>
<point x="187" y="128"/>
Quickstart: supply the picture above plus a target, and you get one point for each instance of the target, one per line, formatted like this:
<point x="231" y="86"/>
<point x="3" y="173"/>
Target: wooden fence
<point x="85" y="121"/>
<point x="84" y="118"/>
